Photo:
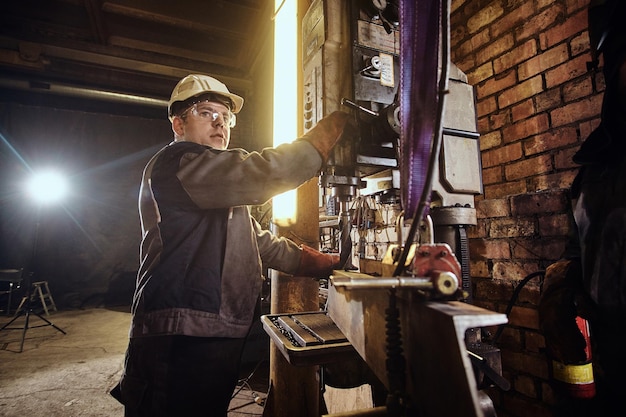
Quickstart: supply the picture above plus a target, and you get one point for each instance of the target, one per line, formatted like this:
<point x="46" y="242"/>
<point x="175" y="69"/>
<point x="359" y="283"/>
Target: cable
<point x="514" y="296"/>
<point x="244" y="382"/>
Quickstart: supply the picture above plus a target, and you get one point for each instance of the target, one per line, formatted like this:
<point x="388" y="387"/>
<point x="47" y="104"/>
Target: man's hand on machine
<point x="316" y="264"/>
<point x="330" y="130"/>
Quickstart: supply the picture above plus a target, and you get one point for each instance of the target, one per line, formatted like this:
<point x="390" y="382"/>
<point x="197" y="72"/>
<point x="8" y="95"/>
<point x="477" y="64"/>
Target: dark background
<point x="60" y="62"/>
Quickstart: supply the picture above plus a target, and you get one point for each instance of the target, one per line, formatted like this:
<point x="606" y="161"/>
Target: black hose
<point x="514" y="296"/>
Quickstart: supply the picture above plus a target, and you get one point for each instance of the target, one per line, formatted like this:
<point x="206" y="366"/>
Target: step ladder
<point x="41" y="292"/>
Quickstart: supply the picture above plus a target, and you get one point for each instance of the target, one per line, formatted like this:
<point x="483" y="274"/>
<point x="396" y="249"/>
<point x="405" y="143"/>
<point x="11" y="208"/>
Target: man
<point x="202" y="252"/>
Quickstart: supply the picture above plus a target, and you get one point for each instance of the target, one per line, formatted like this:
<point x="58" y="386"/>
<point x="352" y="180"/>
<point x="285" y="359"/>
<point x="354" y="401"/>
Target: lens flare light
<point x="47" y="187"/>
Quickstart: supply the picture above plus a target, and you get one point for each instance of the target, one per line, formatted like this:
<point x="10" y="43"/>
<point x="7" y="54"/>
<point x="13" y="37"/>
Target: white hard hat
<point x="195" y="85"/>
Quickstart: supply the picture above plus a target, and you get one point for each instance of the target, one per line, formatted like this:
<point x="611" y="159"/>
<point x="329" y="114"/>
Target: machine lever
<point x="346" y="102"/>
<point x="497" y="379"/>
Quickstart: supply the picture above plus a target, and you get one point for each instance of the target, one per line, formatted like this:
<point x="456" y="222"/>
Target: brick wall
<point x="536" y="103"/>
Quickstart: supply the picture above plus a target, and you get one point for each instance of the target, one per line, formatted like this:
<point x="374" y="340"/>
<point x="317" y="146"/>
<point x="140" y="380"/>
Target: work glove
<point x="316" y="264"/>
<point x="329" y="130"/>
<point x="563" y="299"/>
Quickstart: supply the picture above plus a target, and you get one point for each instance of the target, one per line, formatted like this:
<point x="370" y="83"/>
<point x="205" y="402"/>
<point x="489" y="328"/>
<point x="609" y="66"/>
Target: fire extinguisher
<point x="576" y="380"/>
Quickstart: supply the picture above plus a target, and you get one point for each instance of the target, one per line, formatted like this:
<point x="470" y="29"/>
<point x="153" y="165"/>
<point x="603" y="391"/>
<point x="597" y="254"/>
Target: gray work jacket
<point x="202" y="252"/>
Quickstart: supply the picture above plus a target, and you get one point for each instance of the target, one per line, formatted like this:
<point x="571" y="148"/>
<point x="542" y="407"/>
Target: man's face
<point x="206" y="123"/>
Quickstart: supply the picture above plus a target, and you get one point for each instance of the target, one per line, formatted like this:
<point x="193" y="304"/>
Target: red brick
<point x="478" y="75"/>
<point x="559" y="180"/>
<point x="519" y="406"/>
<point x="539" y="22"/>
<point x="496" y="84"/>
<point x="511" y="227"/>
<point x="543" y="3"/>
<point x="514" y="271"/>
<point x="490" y="140"/>
<point x="539" y="203"/>
<point x="526" y="128"/>
<point x="486" y="106"/>
<point x="563" y="158"/>
<point x="518" y="54"/>
<point x="483" y="125"/>
<point x="570" y="27"/>
<point x="588" y="126"/>
<point x="477" y="249"/>
<point x="458" y="32"/>
<point x="493" y="175"/>
<point x="544" y="249"/>
<point x="499" y="119"/>
<point x="479" y="269"/>
<point x="524" y="317"/>
<point x="465" y="63"/>
<point x="505" y="189"/>
<point x="560" y="109"/>
<point x="523" y="110"/>
<point x="529" y="363"/>
<point x="477" y="231"/>
<point x="576" y="89"/>
<point x="495" y="48"/>
<point x="501" y="155"/>
<point x="484" y="17"/>
<point x="575" y="5"/>
<point x="520" y="91"/>
<point x="493" y="208"/>
<point x="579" y="110"/>
<point x="474" y="43"/>
<point x="553" y="139"/>
<point x="530" y="293"/>
<point x="513" y="19"/>
<point x="492" y="289"/>
<point x="455" y="5"/>
<point x="570" y="69"/>
<point x="543" y="61"/>
<point x="535" y="342"/>
<point x="525" y="385"/>
<point x="510" y="337"/>
<point x="580" y="44"/>
<point x="554" y="225"/>
<point x="548" y="99"/>
<point x="528" y="167"/>
<point x="491" y="249"/>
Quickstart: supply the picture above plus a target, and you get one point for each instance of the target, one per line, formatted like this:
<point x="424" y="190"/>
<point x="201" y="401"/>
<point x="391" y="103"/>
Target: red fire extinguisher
<point x="577" y="380"/>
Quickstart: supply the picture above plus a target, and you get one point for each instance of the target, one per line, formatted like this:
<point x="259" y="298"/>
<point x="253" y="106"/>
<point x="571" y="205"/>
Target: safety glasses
<point x="205" y="111"/>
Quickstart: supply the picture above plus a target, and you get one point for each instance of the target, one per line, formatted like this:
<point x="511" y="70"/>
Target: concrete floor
<point x="71" y="374"/>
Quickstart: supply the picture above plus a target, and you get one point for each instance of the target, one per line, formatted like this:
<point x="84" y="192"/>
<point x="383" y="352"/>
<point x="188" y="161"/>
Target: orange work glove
<point x="558" y="308"/>
<point x="316" y="264"/>
<point x="329" y="130"/>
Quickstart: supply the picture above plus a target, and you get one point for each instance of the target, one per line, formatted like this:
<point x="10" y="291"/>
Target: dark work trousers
<point x="173" y="376"/>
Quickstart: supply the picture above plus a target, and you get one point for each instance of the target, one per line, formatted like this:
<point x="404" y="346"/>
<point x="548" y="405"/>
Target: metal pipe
<point x="442" y="282"/>
<point x="81" y="92"/>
